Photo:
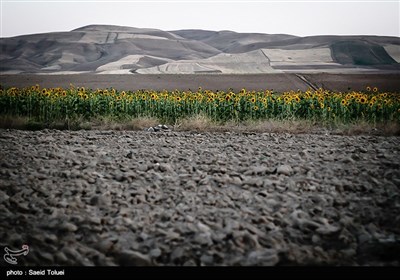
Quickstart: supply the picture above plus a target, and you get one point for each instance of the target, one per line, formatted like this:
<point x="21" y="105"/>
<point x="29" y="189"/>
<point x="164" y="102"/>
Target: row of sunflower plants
<point x="50" y="104"/>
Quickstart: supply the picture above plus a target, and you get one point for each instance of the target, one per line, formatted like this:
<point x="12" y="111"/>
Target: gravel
<point x="188" y="198"/>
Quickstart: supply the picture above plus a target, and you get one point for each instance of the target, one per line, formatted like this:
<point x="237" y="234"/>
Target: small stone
<point x="129" y="155"/>
<point x="155" y="253"/>
<point x="165" y="167"/>
<point x="364" y="238"/>
<point x="190" y="218"/>
<point x="46" y="256"/>
<point x="94" y="200"/>
<point x="99" y="200"/>
<point x="50" y="238"/>
<point x="315" y="239"/>
<point x="265" y="257"/>
<point x="94" y="220"/>
<point x="349" y="253"/>
<point x="252" y="181"/>
<point x="348" y="160"/>
<point x="144" y="235"/>
<point x="207" y="259"/>
<point x="284" y="169"/>
<point x="190" y="263"/>
<point x="361" y="150"/>
<point x="71" y="253"/>
<point x="203" y="239"/>
<point x="119" y="177"/>
<point x="105" y="246"/>
<point x="202" y="227"/>
<point x="91" y="180"/>
<point x="66" y="226"/>
<point x="177" y="254"/>
<point x="271" y="202"/>
<point x="327" y="229"/>
<point x="304" y="154"/>
<point x="258" y="170"/>
<point x="355" y="157"/>
<point x="169" y="235"/>
<point x="61" y="257"/>
<point x="143" y="167"/>
<point x="3" y="197"/>
<point x="236" y="181"/>
<point x="133" y="258"/>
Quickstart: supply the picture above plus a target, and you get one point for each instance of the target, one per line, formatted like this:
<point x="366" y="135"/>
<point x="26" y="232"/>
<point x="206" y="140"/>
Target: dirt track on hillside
<point x="181" y="198"/>
<point x="278" y="82"/>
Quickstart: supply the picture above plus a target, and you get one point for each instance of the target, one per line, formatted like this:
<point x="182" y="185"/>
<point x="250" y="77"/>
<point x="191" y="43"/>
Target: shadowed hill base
<point x="360" y="53"/>
<point x="277" y="82"/>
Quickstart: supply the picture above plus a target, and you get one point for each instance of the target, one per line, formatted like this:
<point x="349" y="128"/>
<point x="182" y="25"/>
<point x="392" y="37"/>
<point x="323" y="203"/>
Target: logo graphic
<point x="10" y="254"/>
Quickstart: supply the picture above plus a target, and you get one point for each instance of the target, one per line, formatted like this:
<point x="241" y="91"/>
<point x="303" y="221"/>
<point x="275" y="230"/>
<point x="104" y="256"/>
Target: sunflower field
<point x="58" y="104"/>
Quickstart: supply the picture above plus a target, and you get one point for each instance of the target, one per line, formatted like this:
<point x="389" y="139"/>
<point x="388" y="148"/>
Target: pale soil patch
<point x="242" y="63"/>
<point x="118" y="66"/>
<point x="393" y="51"/>
<point x="316" y="55"/>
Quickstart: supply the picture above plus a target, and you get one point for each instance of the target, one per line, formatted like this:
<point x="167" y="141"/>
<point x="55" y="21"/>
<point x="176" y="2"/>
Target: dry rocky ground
<point x="188" y="198"/>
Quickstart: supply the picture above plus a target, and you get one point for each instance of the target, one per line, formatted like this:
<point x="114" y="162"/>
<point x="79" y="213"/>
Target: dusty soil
<point x="278" y="82"/>
<point x="182" y="198"/>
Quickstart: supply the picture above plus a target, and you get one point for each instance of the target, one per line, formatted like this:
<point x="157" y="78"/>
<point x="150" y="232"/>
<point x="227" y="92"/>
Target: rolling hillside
<point x="105" y="49"/>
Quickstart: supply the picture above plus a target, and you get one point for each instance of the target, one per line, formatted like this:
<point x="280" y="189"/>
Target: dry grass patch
<point x="202" y="123"/>
<point x="14" y="122"/>
<point x="362" y="128"/>
<point x="280" y="126"/>
<point x="197" y="123"/>
<point x="140" y="123"/>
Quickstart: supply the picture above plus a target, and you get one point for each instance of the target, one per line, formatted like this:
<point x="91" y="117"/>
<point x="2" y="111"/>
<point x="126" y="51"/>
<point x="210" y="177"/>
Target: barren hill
<point x="107" y="49"/>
